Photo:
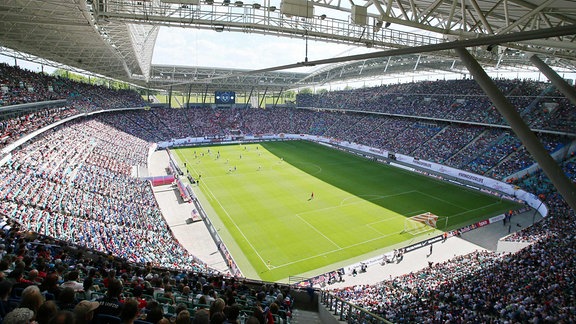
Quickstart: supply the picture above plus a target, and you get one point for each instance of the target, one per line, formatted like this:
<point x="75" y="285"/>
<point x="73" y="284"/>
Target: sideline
<point x="480" y="239"/>
<point x="195" y="237"/>
<point x="197" y="240"/>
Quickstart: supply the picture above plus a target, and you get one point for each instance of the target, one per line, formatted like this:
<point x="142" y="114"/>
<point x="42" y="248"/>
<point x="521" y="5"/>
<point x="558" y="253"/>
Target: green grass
<point x="274" y="230"/>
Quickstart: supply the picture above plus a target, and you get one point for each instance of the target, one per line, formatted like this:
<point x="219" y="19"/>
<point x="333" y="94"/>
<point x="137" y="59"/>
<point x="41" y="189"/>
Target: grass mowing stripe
<point x="235" y="225"/>
<point x="266" y="216"/>
<point x="314" y="228"/>
<point x="214" y="198"/>
<point x="442" y="200"/>
<point x="334" y="251"/>
<point x="464" y="220"/>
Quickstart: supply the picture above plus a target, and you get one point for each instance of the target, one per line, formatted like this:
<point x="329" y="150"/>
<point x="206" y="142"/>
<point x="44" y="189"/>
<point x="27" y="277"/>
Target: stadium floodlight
<point x="298" y="8"/>
<point x="359" y="15"/>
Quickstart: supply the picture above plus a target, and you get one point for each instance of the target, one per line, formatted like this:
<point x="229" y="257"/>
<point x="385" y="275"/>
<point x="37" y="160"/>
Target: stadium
<point x="440" y="188"/>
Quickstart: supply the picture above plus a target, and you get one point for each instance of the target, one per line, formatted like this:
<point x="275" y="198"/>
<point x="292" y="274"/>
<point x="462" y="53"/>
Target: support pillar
<point x="188" y="98"/>
<point x="556" y="79"/>
<point x="249" y="97"/>
<point x="263" y="101"/>
<point x="170" y="97"/>
<point x="566" y="188"/>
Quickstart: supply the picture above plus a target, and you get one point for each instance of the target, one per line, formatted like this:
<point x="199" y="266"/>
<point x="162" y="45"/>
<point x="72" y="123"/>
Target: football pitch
<point x="297" y="208"/>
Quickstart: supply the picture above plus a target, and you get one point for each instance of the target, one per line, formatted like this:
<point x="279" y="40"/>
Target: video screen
<point x="225" y="97"/>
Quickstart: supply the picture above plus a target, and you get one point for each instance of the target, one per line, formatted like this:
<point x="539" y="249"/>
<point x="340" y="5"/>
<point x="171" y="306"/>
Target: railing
<point x="245" y="17"/>
<point x="348" y="312"/>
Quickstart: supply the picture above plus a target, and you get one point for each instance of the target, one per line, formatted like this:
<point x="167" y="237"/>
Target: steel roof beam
<point x="481" y="41"/>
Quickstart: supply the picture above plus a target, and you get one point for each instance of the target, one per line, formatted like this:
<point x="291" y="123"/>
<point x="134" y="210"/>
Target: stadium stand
<point x="456" y="100"/>
<point x="22" y="86"/>
<point x="73" y="214"/>
<point x="24" y="123"/>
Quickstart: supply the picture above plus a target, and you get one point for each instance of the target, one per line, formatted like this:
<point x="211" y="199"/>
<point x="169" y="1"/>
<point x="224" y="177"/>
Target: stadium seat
<point x="142" y="322"/>
<point x="107" y="319"/>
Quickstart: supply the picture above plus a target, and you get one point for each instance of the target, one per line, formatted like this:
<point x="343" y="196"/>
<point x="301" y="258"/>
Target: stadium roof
<point x="115" y="38"/>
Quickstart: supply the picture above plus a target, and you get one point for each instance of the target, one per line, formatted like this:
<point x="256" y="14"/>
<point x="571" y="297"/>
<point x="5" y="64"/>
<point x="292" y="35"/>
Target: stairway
<point x="300" y="316"/>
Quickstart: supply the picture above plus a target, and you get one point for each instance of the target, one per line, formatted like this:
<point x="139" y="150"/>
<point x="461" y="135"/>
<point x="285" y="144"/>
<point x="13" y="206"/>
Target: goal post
<point x="420" y="223"/>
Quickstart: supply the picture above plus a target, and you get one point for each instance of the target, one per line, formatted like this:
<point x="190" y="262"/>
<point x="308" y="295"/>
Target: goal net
<point x="420" y="223"/>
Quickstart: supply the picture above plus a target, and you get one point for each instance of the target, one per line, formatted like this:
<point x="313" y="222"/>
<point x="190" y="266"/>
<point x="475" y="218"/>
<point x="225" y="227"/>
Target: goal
<point x="421" y="223"/>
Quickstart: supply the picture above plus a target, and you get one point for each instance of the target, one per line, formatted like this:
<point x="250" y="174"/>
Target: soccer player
<point x="311" y="196"/>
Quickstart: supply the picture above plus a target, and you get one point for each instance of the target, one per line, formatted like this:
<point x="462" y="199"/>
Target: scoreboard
<point x="225" y="97"/>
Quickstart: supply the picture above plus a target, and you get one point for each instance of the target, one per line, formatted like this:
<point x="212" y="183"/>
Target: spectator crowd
<point x="79" y="228"/>
<point x="539" y="103"/>
<point x="51" y="281"/>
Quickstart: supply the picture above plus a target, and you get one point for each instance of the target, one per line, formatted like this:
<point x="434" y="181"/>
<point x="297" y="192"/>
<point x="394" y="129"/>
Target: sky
<point x="207" y="48"/>
<point x="188" y="46"/>
<point x="192" y="47"/>
<point x="239" y="50"/>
